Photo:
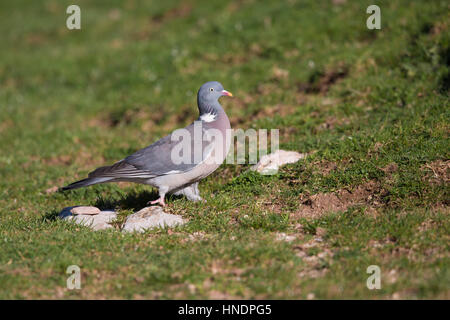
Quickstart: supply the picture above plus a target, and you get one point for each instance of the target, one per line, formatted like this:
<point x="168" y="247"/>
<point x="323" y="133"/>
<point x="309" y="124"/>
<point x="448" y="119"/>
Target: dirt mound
<point x="369" y="193"/>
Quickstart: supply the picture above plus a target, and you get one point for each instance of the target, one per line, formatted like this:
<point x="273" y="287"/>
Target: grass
<point x="370" y="107"/>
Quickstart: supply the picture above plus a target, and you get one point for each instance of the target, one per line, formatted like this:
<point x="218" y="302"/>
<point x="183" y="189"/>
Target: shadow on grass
<point x="132" y="201"/>
<point x="50" y="216"/>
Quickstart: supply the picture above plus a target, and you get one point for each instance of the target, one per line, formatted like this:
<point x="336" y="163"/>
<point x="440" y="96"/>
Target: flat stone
<point x="89" y="210"/>
<point x="270" y="163"/>
<point x="149" y="218"/>
<point x="98" y="221"/>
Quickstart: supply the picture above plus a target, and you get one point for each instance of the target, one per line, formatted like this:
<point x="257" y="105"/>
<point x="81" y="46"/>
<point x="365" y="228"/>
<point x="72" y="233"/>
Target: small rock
<point x="150" y="217"/>
<point x="88" y="210"/>
<point x="270" y="163"/>
<point x="98" y="221"/>
<point x="310" y="296"/>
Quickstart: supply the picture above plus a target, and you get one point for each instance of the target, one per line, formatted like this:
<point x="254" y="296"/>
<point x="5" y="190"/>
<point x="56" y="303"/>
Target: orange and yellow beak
<point x="226" y="93"/>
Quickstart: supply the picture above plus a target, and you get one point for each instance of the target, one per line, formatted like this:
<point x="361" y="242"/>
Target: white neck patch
<point x="208" y="117"/>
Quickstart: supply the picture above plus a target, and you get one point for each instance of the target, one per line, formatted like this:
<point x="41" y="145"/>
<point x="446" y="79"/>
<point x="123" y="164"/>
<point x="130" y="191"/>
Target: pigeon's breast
<point x="218" y="132"/>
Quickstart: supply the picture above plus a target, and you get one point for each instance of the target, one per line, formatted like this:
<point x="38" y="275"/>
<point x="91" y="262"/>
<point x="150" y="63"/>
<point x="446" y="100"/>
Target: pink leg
<point x="160" y="201"/>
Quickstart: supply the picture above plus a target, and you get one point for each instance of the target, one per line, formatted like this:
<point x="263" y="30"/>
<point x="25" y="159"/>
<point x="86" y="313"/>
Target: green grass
<point x="357" y="100"/>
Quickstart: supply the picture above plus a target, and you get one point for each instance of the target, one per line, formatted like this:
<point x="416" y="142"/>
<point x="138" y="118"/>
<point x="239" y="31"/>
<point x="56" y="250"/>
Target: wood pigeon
<point x="175" y="163"/>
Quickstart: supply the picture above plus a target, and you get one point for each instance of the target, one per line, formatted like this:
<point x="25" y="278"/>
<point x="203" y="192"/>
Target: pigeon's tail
<point x="85" y="182"/>
<point x="120" y="171"/>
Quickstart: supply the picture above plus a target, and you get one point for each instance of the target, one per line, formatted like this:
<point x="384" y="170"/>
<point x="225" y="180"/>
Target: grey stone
<point x="149" y="218"/>
<point x="270" y="163"/>
<point x="99" y="221"/>
<point x="89" y="210"/>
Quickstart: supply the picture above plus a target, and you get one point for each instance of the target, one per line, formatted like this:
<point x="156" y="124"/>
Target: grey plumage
<point x="154" y="165"/>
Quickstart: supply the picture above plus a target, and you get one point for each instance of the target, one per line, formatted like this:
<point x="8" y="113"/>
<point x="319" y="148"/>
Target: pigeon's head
<point x="210" y="92"/>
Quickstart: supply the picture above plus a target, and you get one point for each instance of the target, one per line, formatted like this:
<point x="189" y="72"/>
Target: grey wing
<point x="157" y="158"/>
<point x="120" y="170"/>
<point x="154" y="160"/>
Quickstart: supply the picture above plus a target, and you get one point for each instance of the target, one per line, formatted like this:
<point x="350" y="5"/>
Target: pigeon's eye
<point x="211" y="89"/>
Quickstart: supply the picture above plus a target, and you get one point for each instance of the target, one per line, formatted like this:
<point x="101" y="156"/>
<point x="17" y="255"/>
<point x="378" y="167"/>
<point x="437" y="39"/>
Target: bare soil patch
<point x="60" y="160"/>
<point x="180" y="11"/>
<point x="438" y="172"/>
<point x="324" y="167"/>
<point x="324" y="82"/>
<point x="369" y="193"/>
<point x="332" y="122"/>
<point x="390" y="168"/>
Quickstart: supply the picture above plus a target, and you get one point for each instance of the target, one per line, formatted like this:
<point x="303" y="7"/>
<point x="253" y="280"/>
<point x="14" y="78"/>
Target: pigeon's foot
<point x="158" y="201"/>
<point x="191" y="192"/>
